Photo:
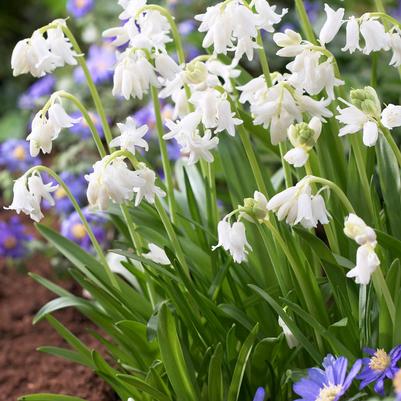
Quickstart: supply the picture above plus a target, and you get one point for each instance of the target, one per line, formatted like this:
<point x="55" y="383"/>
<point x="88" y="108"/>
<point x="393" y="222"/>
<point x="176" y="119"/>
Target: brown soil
<point x="25" y="370"/>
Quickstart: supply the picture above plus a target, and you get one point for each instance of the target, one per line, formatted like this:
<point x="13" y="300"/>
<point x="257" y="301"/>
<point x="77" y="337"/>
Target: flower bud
<point x="301" y="134"/>
<point x="255" y="208"/>
<point x="366" y="100"/>
<point x="195" y="73"/>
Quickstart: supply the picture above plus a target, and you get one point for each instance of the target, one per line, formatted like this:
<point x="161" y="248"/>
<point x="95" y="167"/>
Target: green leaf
<point x="243" y="356"/>
<point x="49" y="397"/>
<point x="215" y="375"/>
<point x="143" y="386"/>
<point x="64" y="353"/>
<point x="173" y="357"/>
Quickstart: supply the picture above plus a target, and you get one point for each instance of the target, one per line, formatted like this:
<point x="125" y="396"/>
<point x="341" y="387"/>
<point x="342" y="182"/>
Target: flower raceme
<point x="39" y="55"/>
<point x="297" y="205"/>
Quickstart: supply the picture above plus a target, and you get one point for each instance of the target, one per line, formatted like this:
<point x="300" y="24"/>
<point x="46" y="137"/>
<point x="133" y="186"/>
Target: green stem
<point x="88" y="119"/>
<point x="392" y="143"/>
<point x="263" y="61"/>
<point x="286" y="166"/>
<point x="132" y="229"/>
<point x="91" y="84"/>
<point x="338" y="191"/>
<point x="88" y="229"/>
<point x="305" y="22"/>
<point x="164" y="154"/>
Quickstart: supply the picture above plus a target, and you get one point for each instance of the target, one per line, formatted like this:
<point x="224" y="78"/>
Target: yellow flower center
<point x="10" y="242"/>
<point x="60" y="193"/>
<point x="19" y="153"/>
<point x="380" y="360"/>
<point x="329" y="393"/>
<point x="397" y="382"/>
<point x="78" y="231"/>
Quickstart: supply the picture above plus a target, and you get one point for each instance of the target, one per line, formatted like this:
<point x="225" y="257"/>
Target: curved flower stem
<point x="88" y="229"/>
<point x="88" y="119"/>
<point x="91" y="84"/>
<point x="305" y="22"/>
<point x="392" y="143"/>
<point x="164" y="154"/>
<point x="338" y="191"/>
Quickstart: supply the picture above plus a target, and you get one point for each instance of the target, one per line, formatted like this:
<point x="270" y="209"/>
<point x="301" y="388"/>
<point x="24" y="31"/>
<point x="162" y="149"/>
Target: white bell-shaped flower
<point x="367" y="262"/>
<point x="199" y="147"/>
<point x="356" y="229"/>
<point x="133" y="75"/>
<point x="233" y="239"/>
<point x="391" y="116"/>
<point x="267" y="16"/>
<point x="352" y="36"/>
<point x="290" y="43"/>
<point x="334" y="20"/>
<point x="292" y="341"/>
<point x="395" y="46"/>
<point x="147" y="189"/>
<point x="60" y="46"/>
<point x="374" y="35"/>
<point x="59" y="117"/>
<point x="157" y="255"/>
<point x="131" y="136"/>
<point x="43" y="131"/>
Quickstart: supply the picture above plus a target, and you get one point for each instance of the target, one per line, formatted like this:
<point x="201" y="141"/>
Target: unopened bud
<point x="366" y="99"/>
<point x="195" y="73"/>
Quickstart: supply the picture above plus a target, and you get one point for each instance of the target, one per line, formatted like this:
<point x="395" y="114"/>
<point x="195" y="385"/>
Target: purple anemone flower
<point x="13" y="239"/>
<point x="101" y="60"/>
<point x="79" y="8"/>
<point x="42" y="87"/>
<point x="15" y="156"/>
<point x="329" y="383"/>
<point x="82" y="128"/>
<point x="259" y="395"/>
<point x="186" y="27"/>
<point x="73" y="229"/>
<point x="379" y="367"/>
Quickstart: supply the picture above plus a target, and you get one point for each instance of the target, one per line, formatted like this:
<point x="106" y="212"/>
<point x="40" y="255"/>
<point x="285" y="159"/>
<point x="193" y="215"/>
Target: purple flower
<point x="186" y="27"/>
<point x="260" y="394"/>
<point x="73" y="229"/>
<point x="312" y="8"/>
<point x="101" y="60"/>
<point x="191" y="52"/>
<point x="77" y="185"/>
<point x="15" y="156"/>
<point x="378" y="367"/>
<point x="146" y="115"/>
<point x="42" y="87"/>
<point x="82" y="128"/>
<point x="13" y="239"/>
<point x="329" y="383"/>
<point x="79" y="8"/>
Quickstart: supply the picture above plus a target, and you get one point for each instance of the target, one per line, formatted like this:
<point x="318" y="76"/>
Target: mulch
<point x="24" y="370"/>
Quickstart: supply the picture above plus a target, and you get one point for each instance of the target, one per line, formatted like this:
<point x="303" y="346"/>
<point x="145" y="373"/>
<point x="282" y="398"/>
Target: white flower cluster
<point x="39" y="56"/>
<point x="297" y="205"/>
<point x="45" y="129"/>
<point x="367" y="260"/>
<point x="233" y="26"/>
<point x="281" y="105"/>
<point x="364" y="114"/>
<point x="28" y="195"/>
<point x="111" y="179"/>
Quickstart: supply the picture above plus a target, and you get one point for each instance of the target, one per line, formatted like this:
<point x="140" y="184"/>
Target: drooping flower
<point x="15" y="156"/>
<point x="13" y="239"/>
<point x="114" y="262"/>
<point x="255" y="209"/>
<point x="352" y="36"/>
<point x="329" y="383"/>
<point x="395" y="46"/>
<point x="60" y="46"/>
<point x="233" y="239"/>
<point x="267" y="16"/>
<point x="73" y="229"/>
<point x="79" y="8"/>
<point x="112" y="180"/>
<point x="303" y="137"/>
<point x="131" y="136"/>
<point x="374" y="34"/>
<point x="297" y="205"/>
<point x="292" y="341"/>
<point x="157" y="255"/>
<point x="148" y="189"/>
<point x="133" y="75"/>
<point x="367" y="262"/>
<point x="391" y="116"/>
<point x="334" y="20"/>
<point x="356" y="229"/>
<point x="379" y="367"/>
<point x="290" y="43"/>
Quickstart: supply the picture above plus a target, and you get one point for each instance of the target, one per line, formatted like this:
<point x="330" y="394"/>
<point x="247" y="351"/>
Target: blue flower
<point x="378" y="367"/>
<point x="100" y="62"/>
<point x="259" y="395"/>
<point x="79" y="8"/>
<point x="73" y="229"/>
<point x="186" y="27"/>
<point x="82" y="128"/>
<point x="42" y="87"/>
<point x="327" y="384"/>
<point x="15" y="156"/>
<point x="13" y="239"/>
